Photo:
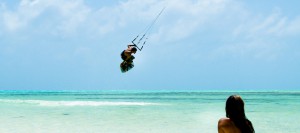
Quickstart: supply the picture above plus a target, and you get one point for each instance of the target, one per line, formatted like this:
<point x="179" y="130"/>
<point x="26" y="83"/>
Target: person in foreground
<point x="236" y="121"/>
<point x="127" y="57"/>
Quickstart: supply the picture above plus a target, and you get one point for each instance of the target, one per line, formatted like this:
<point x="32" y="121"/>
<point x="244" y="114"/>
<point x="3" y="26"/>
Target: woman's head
<point x="235" y="111"/>
<point x="235" y="107"/>
<point x="133" y="50"/>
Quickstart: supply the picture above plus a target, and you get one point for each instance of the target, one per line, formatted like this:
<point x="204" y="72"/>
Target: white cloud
<point x="180" y="19"/>
<point x="12" y="22"/>
<point x="26" y="11"/>
<point x="275" y="24"/>
<point x="183" y="18"/>
<point x="260" y="36"/>
<point x="69" y="14"/>
<point x="293" y="27"/>
<point x="74" y="15"/>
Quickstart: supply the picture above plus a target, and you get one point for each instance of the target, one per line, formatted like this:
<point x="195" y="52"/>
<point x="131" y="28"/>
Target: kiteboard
<point x="126" y="65"/>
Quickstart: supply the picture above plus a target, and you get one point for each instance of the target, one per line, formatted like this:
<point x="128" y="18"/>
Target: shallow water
<point x="141" y="111"/>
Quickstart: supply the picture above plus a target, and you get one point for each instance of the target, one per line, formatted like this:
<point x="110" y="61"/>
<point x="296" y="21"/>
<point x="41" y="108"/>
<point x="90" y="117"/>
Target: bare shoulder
<point x="225" y="125"/>
<point x="224" y="122"/>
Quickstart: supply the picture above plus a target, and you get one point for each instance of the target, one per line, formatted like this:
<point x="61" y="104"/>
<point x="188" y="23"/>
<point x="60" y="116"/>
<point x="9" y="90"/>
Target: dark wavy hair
<point x="134" y="49"/>
<point x="236" y="112"/>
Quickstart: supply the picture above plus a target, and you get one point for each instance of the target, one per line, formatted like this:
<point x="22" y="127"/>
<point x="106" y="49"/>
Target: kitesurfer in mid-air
<point x="127" y="57"/>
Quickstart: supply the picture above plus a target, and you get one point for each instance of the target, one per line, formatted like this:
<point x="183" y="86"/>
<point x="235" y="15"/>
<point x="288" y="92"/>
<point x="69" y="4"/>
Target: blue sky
<point x="195" y="44"/>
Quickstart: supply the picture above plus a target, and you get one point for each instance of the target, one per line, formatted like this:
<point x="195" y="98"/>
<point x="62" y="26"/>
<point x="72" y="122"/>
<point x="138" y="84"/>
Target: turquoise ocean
<point x="142" y="111"/>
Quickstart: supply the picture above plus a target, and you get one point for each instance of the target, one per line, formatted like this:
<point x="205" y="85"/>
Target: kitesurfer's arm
<point x="131" y="45"/>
